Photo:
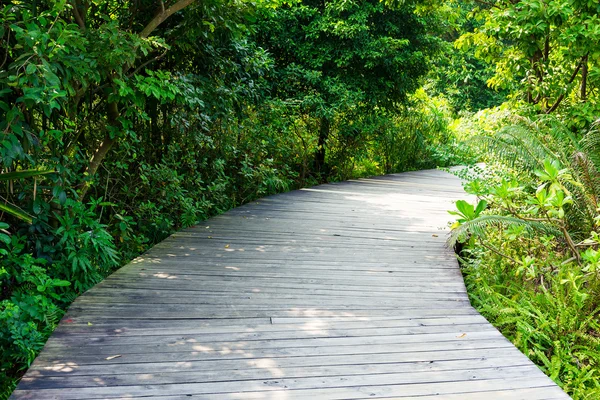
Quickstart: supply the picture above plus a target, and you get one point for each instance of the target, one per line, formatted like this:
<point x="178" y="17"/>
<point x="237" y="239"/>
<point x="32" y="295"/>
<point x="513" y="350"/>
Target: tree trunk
<point x="155" y="133"/>
<point x="324" y="129"/>
<point x="573" y="76"/>
<point x="105" y="146"/>
<point x="112" y="108"/>
<point x="584" y="74"/>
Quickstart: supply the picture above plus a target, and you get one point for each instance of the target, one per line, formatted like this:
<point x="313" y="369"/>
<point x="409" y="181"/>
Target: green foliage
<point x="460" y="76"/>
<point x="546" y="307"/>
<point x="122" y="124"/>
<point x="467" y="212"/>
<point x="544" y="53"/>
<point x="531" y="259"/>
<point x="345" y="64"/>
<point x="32" y="298"/>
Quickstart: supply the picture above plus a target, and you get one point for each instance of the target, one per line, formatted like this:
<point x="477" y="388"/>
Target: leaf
<point x="16" y="212"/>
<point x="9" y="176"/>
<point x="465" y="208"/>
<point x="462" y="335"/>
<point x="113" y="357"/>
<point x="480" y="207"/>
<point x="30" y="69"/>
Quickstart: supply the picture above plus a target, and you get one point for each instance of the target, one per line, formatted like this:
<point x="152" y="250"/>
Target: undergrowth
<point x="530" y="245"/>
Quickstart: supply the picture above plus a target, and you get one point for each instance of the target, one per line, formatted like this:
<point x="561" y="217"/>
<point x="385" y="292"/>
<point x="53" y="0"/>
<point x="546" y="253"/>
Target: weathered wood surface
<point x="342" y="291"/>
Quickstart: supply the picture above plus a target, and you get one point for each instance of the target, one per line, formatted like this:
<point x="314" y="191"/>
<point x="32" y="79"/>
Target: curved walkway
<point x="341" y="291"/>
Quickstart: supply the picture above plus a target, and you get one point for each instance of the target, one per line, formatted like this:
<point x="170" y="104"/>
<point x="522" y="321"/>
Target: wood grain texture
<point x="341" y="291"/>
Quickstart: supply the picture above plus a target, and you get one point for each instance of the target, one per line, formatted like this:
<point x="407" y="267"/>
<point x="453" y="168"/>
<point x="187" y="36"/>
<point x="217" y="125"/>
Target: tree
<point x="459" y="76"/>
<point x="544" y="52"/>
<point x="335" y="58"/>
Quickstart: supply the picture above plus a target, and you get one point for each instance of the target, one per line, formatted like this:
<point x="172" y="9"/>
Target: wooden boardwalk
<point x="341" y="291"/>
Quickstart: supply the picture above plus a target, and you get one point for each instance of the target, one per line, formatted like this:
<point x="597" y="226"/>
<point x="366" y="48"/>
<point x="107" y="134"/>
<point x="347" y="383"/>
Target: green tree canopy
<point x="340" y="57"/>
<point x="544" y="52"/>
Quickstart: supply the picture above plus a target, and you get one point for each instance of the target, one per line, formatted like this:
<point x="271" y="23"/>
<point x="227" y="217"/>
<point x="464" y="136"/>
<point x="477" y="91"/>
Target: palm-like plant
<point x="559" y="180"/>
<point x="8" y="177"/>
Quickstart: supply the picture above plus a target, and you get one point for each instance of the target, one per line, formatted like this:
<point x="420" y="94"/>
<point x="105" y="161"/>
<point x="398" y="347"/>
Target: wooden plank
<point x="401" y="382"/>
<point x="219" y="352"/>
<point x="409" y="361"/>
<point x="188" y="327"/>
<point x="380" y="332"/>
<point x="249" y="374"/>
<point x="342" y="291"/>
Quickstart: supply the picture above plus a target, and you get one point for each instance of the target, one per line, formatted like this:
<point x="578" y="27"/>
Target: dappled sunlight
<point x="316" y="312"/>
<point x="146" y="260"/>
<point x="61" y="367"/>
<point x="315" y="327"/>
<point x="270" y="365"/>
<point x="393" y="201"/>
<point x="99" y="381"/>
<point x="203" y="348"/>
<point x="275" y="325"/>
<point x="164" y="276"/>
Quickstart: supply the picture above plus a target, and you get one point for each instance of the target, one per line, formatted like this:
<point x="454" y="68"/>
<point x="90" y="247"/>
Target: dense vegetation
<point x="529" y="246"/>
<point x="124" y="121"/>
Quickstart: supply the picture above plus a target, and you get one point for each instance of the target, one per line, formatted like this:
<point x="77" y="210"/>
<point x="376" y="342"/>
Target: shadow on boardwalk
<point x="341" y="291"/>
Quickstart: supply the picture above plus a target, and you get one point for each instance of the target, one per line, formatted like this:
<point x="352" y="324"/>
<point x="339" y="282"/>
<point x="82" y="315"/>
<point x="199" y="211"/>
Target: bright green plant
<point x="31" y="305"/>
<point x="531" y="257"/>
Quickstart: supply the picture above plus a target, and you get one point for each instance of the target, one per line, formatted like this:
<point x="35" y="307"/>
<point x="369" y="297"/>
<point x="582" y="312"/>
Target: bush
<point x="531" y="251"/>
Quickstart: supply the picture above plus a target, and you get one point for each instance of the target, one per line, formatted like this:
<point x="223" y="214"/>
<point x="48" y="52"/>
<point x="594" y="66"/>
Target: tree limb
<point x="584" y="75"/>
<point x="163" y="15"/>
<point x="77" y="15"/>
<point x="112" y="107"/>
<point x="498" y="252"/>
<point x="487" y="3"/>
<point x="7" y="49"/>
<point x="102" y="151"/>
<point x="562" y="96"/>
<point x="150" y="61"/>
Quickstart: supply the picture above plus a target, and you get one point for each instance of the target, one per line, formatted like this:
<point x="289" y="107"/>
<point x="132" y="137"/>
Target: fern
<point x="480" y="225"/>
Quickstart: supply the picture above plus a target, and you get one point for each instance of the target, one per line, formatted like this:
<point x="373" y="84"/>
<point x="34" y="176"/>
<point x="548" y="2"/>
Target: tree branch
<point x="498" y="252"/>
<point x="562" y="96"/>
<point x="150" y="61"/>
<point x="113" y="116"/>
<point x="163" y="15"/>
<point x="77" y="15"/>
<point x="487" y="3"/>
<point x="7" y="49"/>
<point x="584" y="75"/>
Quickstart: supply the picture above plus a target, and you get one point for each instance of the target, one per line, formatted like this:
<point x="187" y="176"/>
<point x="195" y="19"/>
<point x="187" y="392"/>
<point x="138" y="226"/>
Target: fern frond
<point x="587" y="196"/>
<point x="527" y="143"/>
<point x="479" y="225"/>
<point x="590" y="144"/>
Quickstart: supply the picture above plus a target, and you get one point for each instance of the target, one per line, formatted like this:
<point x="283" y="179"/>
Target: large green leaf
<point x="16" y="212"/>
<point x="27" y="173"/>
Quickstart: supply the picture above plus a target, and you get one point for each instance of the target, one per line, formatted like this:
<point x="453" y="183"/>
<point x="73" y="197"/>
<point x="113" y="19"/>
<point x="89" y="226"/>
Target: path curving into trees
<point x="340" y="291"/>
